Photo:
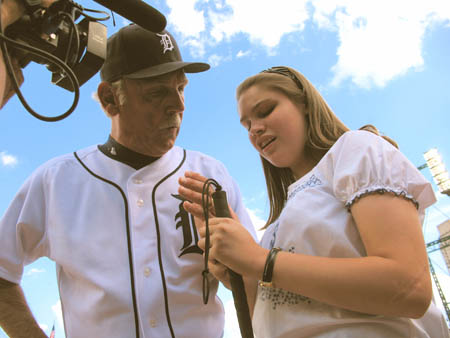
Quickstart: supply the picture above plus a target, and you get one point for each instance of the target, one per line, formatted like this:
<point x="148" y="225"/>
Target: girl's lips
<point x="267" y="142"/>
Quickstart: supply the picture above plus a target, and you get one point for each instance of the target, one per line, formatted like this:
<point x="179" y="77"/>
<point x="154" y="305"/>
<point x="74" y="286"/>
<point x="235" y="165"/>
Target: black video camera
<point x="82" y="45"/>
<point x="72" y="51"/>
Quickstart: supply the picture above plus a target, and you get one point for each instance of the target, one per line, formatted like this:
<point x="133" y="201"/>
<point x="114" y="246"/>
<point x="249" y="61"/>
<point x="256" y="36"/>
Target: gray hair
<point x="118" y="87"/>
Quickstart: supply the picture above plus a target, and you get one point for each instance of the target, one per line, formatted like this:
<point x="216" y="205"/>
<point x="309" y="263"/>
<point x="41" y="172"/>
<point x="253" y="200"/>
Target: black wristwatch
<point x="268" y="268"/>
<point x="31" y="6"/>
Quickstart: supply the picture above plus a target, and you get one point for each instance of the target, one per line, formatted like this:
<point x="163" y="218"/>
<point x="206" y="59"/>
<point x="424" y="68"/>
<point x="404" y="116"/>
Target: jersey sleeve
<point x="22" y="229"/>
<point x="363" y="163"/>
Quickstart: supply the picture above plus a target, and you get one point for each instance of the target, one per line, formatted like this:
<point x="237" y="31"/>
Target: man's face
<point x="149" y="120"/>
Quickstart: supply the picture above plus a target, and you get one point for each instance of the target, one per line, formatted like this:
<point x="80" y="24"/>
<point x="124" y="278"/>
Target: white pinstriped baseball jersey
<point x="124" y="247"/>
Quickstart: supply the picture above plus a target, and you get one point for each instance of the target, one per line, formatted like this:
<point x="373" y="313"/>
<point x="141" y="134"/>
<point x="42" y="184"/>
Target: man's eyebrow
<point x="164" y="81"/>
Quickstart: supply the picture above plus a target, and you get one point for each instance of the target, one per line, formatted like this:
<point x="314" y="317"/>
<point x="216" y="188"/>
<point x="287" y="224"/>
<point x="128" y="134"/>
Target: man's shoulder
<point x="202" y="158"/>
<point x="66" y="160"/>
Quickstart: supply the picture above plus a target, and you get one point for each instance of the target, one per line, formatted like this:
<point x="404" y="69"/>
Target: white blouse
<point x="315" y="221"/>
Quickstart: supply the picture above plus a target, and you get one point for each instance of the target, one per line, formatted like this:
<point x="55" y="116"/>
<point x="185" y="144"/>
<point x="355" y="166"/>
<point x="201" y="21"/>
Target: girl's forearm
<point x="372" y="285"/>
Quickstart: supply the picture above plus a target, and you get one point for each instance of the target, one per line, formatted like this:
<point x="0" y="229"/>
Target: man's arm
<point x="16" y="318"/>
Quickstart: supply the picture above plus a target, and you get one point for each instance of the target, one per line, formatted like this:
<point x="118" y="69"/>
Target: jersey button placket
<point x="147" y="272"/>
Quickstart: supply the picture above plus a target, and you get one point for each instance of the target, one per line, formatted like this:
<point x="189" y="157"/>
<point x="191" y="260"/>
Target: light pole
<point x="441" y="178"/>
<point x="438" y="171"/>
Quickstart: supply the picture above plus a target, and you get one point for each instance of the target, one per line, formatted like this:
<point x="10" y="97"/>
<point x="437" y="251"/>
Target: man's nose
<point x="176" y="104"/>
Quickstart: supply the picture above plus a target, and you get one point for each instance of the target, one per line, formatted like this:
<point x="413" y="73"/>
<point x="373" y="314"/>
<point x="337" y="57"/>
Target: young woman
<point x="343" y="253"/>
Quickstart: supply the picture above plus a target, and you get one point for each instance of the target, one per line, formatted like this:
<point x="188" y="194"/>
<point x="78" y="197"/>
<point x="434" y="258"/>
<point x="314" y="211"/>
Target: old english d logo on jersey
<point x="166" y="42"/>
<point x="186" y="222"/>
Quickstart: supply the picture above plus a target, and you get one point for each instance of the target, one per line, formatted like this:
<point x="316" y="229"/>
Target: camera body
<point x="82" y="45"/>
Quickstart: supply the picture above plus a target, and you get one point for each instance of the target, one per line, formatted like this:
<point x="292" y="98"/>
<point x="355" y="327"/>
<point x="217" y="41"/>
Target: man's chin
<point x="164" y="148"/>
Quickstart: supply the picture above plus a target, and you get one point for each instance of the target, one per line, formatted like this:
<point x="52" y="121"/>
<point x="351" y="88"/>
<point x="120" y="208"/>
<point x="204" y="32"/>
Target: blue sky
<point x="378" y="62"/>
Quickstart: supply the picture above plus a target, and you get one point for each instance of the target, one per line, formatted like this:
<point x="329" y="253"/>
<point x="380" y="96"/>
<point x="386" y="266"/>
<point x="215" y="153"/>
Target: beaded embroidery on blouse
<point x="381" y="191"/>
<point x="313" y="181"/>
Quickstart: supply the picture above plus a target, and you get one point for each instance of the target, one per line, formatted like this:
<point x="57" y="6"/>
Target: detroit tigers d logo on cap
<point x="136" y="53"/>
<point x="166" y="42"/>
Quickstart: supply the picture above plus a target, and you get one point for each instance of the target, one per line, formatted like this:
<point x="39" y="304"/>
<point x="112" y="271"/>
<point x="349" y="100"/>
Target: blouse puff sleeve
<point x="363" y="163"/>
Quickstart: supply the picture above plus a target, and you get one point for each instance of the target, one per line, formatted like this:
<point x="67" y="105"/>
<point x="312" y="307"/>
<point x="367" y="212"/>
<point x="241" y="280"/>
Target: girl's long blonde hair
<point x="322" y="126"/>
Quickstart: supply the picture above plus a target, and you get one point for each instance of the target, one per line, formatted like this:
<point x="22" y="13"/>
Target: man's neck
<point x="120" y="153"/>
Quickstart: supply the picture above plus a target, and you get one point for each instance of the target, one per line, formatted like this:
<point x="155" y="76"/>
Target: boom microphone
<point x="138" y="12"/>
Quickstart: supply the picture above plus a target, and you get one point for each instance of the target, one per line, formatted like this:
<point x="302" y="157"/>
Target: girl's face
<point x="276" y="128"/>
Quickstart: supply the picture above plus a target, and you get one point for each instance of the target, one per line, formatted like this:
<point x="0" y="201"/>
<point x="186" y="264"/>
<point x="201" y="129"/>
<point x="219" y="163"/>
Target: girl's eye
<point x="260" y="115"/>
<point x="266" y="112"/>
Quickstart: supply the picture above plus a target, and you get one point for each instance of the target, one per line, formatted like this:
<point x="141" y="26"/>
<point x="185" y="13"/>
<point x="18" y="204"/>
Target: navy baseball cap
<point x="135" y="53"/>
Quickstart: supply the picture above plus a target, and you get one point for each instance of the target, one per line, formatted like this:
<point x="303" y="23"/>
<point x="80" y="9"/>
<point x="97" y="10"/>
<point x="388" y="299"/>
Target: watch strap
<point x="268" y="268"/>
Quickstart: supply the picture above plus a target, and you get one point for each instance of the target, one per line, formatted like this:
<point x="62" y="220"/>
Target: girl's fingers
<point x="201" y="244"/>
<point x="220" y="271"/>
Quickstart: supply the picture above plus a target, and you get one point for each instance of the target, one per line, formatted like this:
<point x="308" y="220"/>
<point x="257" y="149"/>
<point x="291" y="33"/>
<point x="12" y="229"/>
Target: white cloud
<point x="8" y="160"/>
<point x="260" y="20"/>
<point x="197" y="46"/>
<point x="34" y="271"/>
<point x="216" y="59"/>
<point x="257" y="221"/>
<point x="94" y="96"/>
<point x="263" y="21"/>
<point x="44" y="327"/>
<point x="378" y="40"/>
<point x="241" y="54"/>
<point x="187" y="18"/>
<point x="58" y="312"/>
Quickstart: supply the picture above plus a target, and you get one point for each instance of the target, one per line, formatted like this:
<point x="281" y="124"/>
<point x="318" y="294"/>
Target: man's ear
<point x="108" y="98"/>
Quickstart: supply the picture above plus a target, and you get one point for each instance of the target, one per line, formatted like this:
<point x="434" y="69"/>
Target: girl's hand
<point x="233" y="246"/>
<point x="220" y="272"/>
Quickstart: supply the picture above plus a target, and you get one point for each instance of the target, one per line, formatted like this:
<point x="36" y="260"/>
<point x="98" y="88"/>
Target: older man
<point x="110" y="216"/>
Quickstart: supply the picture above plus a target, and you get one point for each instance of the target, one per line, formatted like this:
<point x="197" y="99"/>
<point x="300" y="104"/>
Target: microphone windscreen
<point x="137" y="11"/>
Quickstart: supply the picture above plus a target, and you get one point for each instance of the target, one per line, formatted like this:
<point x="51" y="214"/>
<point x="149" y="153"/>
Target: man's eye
<point x="155" y="94"/>
<point x="159" y="92"/>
